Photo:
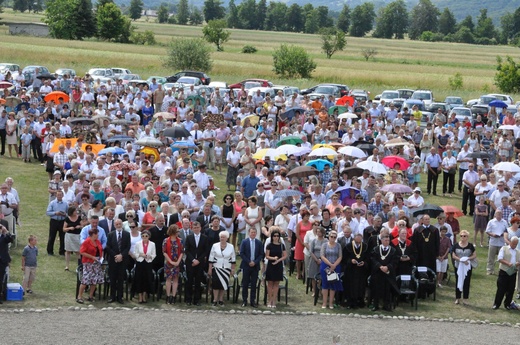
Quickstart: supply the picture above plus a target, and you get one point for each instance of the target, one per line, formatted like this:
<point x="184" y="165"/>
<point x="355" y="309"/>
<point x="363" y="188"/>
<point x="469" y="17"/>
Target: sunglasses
<point x="193" y="186"/>
<point x="132" y="227"/>
<point x="145" y="236"/>
<point x="333" y="236"/>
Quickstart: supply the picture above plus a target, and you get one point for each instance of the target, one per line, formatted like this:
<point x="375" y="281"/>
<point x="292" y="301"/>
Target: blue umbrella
<point x="290" y="113"/>
<point x="183" y="145"/>
<point x="319" y="164"/>
<point x="120" y="138"/>
<point x="284" y="193"/>
<point x="19" y="106"/>
<point x="112" y="150"/>
<point x="497" y="104"/>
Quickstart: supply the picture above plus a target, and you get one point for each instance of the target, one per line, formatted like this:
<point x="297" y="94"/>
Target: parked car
<point x="159" y="80"/>
<point x="7" y="66"/>
<point x="360" y="95"/>
<point x="423" y="95"/>
<point x="29" y="71"/>
<point x="263" y="91"/>
<point x="118" y="71"/>
<point x="504" y="98"/>
<point x="405" y="93"/>
<point x="325" y="90"/>
<point x="426" y="115"/>
<point x="389" y="95"/>
<point x="250" y="83"/>
<point x="454" y="101"/>
<point x="201" y="75"/>
<point x="343" y="89"/>
<point x="288" y="91"/>
<point x="127" y="78"/>
<point x="187" y="81"/>
<point x="60" y="72"/>
<point x="462" y="113"/>
<point x="434" y="107"/>
<point x="481" y="110"/>
<point x="101" y="72"/>
<point x="219" y="84"/>
<point x="398" y="103"/>
<point x="168" y="86"/>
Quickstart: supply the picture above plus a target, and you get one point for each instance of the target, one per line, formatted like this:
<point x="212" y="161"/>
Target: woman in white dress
<point x="253" y="216"/>
<point x="222" y="262"/>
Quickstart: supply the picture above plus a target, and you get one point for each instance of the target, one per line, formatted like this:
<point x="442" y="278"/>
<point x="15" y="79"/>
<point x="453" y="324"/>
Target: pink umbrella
<point x="396" y="188"/>
<point x="391" y="161"/>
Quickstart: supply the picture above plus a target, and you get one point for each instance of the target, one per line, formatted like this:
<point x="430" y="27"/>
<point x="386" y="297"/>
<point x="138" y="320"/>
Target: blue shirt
<point x="249" y="185"/>
<point x="57" y="206"/>
<point x="434" y="161"/>
<point x="102" y="237"/>
<point x="30" y="254"/>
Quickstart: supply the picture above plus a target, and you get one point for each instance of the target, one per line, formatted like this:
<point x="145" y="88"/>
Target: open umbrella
<point x="506" y="166"/>
<point x="12" y="101"/>
<point x="194" y="99"/>
<point x="292" y="139"/>
<point x="396" y="142"/>
<point x="253" y="119"/>
<point x="147" y="141"/>
<point x="290" y="150"/>
<point x="391" y="161"/>
<point x="183" y="145"/>
<point x="121" y="138"/>
<point x="347" y="116"/>
<point x="396" y="188"/>
<point x="432" y="210"/>
<point x="319" y="164"/>
<point x="95" y="147"/>
<point x="373" y="167"/>
<point x="284" y="193"/>
<point x="303" y="171"/>
<point x="166" y="115"/>
<point x="112" y="150"/>
<point x="122" y="122"/>
<point x="479" y="154"/>
<point x="273" y="154"/>
<point x="99" y="119"/>
<point x="46" y="76"/>
<point x="352" y="171"/>
<point x="339" y="108"/>
<point x="5" y="85"/>
<point x="352" y="151"/>
<point x="345" y="100"/>
<point x="323" y="152"/>
<point x="82" y="121"/>
<point x="19" y="106"/>
<point x="452" y="209"/>
<point x="2" y="101"/>
<point x="317" y="146"/>
<point x="497" y="104"/>
<point x="151" y="151"/>
<point x="290" y="113"/>
<point x="55" y="97"/>
<point x="58" y="142"/>
<point x="365" y="146"/>
<point x="176" y="132"/>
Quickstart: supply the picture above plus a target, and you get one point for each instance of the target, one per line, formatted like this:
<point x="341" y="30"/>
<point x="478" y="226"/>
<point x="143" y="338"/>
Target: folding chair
<point x="408" y="286"/>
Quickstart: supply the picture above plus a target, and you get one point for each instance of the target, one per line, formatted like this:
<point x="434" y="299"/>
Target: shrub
<point x="369" y="53"/>
<point x="146" y="38"/>
<point x="292" y="62"/>
<point x="507" y="78"/>
<point x="456" y="81"/>
<point x="189" y="54"/>
<point x="249" y="49"/>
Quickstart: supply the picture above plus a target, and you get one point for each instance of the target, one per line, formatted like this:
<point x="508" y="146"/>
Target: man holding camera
<point x="5" y="258"/>
<point x="8" y="204"/>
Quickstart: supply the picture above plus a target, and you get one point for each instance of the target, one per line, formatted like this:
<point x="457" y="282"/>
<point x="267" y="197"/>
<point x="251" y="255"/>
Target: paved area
<point x="159" y="327"/>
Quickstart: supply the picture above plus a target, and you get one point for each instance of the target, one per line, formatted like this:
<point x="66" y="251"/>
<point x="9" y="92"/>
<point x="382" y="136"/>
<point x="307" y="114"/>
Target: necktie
<point x="109" y="225"/>
<point x="119" y="239"/>
<point x="196" y="134"/>
<point x="252" y="250"/>
<point x="207" y="219"/>
<point x="197" y="241"/>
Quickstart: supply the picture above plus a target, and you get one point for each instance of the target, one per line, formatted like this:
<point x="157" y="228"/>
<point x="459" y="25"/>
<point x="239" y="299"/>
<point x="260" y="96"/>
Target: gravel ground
<point x="159" y="327"/>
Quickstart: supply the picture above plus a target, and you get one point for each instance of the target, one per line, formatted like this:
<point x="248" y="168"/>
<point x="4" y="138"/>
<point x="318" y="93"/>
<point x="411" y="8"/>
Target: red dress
<point x="298" y="249"/>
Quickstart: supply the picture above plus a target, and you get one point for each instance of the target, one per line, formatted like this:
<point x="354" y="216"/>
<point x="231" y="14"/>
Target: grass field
<point x="399" y="64"/>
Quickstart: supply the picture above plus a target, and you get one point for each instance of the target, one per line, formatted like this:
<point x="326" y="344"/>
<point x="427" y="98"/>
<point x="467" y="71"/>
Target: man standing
<point x="5" y="258"/>
<point x="252" y="253"/>
<point x="384" y="260"/>
<point x="356" y="260"/>
<point x="427" y="241"/>
<point x="509" y="259"/>
<point x="463" y="160"/>
<point x="157" y="236"/>
<point x="196" y="249"/>
<point x="470" y="180"/>
<point x="202" y="179"/>
<point x="249" y="183"/>
<point x="495" y="230"/>
<point x="108" y="223"/>
<point x="57" y="211"/>
<point x="433" y="163"/>
<point x="118" y="246"/>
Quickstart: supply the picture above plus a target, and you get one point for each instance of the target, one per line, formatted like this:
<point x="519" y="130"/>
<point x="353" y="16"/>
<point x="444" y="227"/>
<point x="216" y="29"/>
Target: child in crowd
<point x="26" y="139"/>
<point x="240" y="178"/>
<point x="241" y="225"/>
<point x="442" y="258"/>
<point x="219" y="150"/>
<point x="29" y="263"/>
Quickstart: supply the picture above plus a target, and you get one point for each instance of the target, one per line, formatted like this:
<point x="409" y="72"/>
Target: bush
<point x="429" y="36"/>
<point x="507" y="78"/>
<point x="146" y="38"/>
<point x="456" y="81"/>
<point x="189" y="54"/>
<point x="249" y="49"/>
<point x="293" y="62"/>
<point x="369" y="53"/>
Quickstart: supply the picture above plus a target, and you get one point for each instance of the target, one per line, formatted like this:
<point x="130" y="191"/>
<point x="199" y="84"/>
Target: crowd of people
<point x="155" y="212"/>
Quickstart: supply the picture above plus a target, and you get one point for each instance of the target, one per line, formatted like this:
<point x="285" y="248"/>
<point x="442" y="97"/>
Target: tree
<point x="468" y="23"/>
<point x="20" y="5"/>
<point x="213" y="9"/>
<point x="344" y="19"/>
<point x="447" y="22"/>
<point x="507" y="24"/>
<point x="196" y="17"/>
<point x="188" y="54"/>
<point x="261" y="14"/>
<point x="312" y="22"/>
<point x="246" y="12"/>
<point x="214" y="32"/>
<point x="464" y="35"/>
<point x="485" y="27"/>
<point x="362" y="19"/>
<point x="275" y="18"/>
<point x="507" y="78"/>
<point x="112" y="24"/>
<point x="324" y="21"/>
<point x="162" y="14"/>
<point x="391" y="21"/>
<point x="136" y="7"/>
<point x="100" y="3"/>
<point x="369" y="53"/>
<point x="294" y="18"/>
<point x="333" y="40"/>
<point x="65" y="22"/>
<point x="292" y="62"/>
<point x="424" y="17"/>
<point x="183" y="12"/>
<point x="233" y="21"/>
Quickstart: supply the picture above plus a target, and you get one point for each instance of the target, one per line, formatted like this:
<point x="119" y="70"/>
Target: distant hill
<point x="461" y="8"/>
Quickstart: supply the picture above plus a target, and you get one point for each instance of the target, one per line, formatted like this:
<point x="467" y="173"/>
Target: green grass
<point x="55" y="287"/>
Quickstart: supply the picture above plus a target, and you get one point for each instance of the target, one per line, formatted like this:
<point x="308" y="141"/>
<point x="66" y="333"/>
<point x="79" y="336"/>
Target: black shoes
<point x="254" y="305"/>
<point x="111" y="300"/>
<point x="244" y="305"/>
<point x="120" y="301"/>
<point x="495" y="307"/>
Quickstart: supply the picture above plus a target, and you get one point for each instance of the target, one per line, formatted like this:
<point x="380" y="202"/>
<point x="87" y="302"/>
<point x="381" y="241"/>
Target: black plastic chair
<point x="284" y="287"/>
<point x="154" y="286"/>
<point x="408" y="286"/>
<point x="317" y="278"/>
<point x="238" y="285"/>
<point x="427" y="281"/>
<point x="106" y="286"/>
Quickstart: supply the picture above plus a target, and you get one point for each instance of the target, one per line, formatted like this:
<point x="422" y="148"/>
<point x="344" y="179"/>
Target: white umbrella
<point x="396" y="142"/>
<point x="507" y="166"/>
<point x="373" y="167"/>
<point x="352" y="151"/>
<point x="289" y="149"/>
<point x="322" y="152"/>
<point x="148" y="141"/>
<point x="347" y="116"/>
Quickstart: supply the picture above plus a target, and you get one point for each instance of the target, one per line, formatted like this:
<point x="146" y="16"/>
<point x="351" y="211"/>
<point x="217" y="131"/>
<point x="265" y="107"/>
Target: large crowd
<point x="129" y="191"/>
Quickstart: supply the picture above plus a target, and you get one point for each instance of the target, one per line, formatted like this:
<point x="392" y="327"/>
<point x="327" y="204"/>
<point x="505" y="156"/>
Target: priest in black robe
<point x="382" y="283"/>
<point x="426" y="239"/>
<point x="356" y="258"/>
<point x="406" y="253"/>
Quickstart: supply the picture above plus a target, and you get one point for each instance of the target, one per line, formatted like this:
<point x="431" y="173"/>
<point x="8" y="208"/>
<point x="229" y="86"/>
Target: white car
<point x="101" y="72"/>
<point x="118" y="72"/>
<point x="263" y="91"/>
<point x="389" y="95"/>
<point x="219" y="84"/>
<point x="187" y="81"/>
<point x="462" y="113"/>
<point x="504" y="98"/>
<point x="423" y="95"/>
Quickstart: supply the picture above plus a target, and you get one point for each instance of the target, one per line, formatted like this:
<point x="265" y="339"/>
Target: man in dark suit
<point x="196" y="249"/>
<point x="158" y="234"/>
<point x="252" y="253"/>
<point x="205" y="217"/>
<point x="118" y="246"/>
<point x="108" y="222"/>
<point x="185" y="230"/>
<point x="175" y="218"/>
<point x="5" y="258"/>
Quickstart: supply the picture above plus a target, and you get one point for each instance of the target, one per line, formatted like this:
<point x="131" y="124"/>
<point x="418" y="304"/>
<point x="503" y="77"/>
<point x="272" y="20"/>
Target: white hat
<point x="417" y="189"/>
<point x="57" y="172"/>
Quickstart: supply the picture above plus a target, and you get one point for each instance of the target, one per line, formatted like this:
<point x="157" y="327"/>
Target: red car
<point x="250" y="83"/>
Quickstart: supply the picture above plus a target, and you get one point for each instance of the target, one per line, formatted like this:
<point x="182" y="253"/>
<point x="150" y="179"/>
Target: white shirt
<point x="415" y="202"/>
<point x="202" y="180"/>
<point x="513" y="254"/>
<point x="234" y="158"/>
<point x="496" y="227"/>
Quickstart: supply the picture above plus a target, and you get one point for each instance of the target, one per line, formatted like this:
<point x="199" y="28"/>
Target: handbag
<point x="452" y="171"/>
<point x="332" y="276"/>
